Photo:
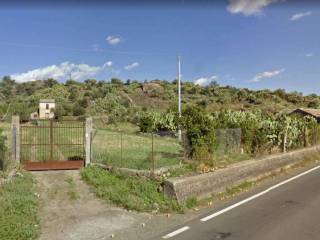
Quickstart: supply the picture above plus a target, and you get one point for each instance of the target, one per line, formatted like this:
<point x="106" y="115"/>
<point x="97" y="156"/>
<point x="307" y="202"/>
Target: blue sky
<point x="255" y="44"/>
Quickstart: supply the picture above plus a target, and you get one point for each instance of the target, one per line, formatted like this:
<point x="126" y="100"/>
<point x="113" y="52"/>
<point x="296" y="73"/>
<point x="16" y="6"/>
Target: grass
<point x="19" y="209"/>
<point x="184" y="170"/>
<point x="191" y="202"/>
<point x="72" y="190"/>
<point x="134" y="151"/>
<point x="129" y="192"/>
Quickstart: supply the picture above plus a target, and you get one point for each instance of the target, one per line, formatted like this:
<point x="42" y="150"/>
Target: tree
<point x="7" y="85"/>
<point x="50" y="82"/>
<point x="78" y="110"/>
<point x="59" y="112"/>
<point x="116" y="81"/>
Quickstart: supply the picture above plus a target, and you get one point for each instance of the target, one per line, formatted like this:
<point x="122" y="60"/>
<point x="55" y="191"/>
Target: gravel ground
<point x="74" y="213"/>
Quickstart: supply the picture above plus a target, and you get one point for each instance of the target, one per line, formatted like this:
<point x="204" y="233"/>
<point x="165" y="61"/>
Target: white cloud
<point x="113" y="40"/>
<point x="248" y="7"/>
<point x="205" y="81"/>
<point x="61" y="72"/>
<point x="260" y="76"/>
<point x="309" y="54"/>
<point x="298" y="16"/>
<point x="108" y="64"/>
<point x="132" y="66"/>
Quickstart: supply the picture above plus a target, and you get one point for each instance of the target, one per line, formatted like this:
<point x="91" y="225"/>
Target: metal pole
<point x="51" y="140"/>
<point x="121" y="149"/>
<point x="179" y="96"/>
<point x="152" y="154"/>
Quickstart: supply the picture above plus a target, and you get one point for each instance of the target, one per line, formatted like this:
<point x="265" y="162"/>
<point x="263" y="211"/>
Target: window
<point x="47" y="106"/>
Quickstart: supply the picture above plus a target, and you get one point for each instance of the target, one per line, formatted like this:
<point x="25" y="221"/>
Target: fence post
<point x="15" y="149"/>
<point x="152" y="154"/>
<point x="51" y="139"/>
<point x="121" y="150"/>
<point x="88" y="129"/>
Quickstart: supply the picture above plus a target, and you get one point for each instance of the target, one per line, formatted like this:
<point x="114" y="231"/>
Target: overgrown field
<point x="129" y="192"/>
<point x="19" y="209"/>
<point x="136" y="151"/>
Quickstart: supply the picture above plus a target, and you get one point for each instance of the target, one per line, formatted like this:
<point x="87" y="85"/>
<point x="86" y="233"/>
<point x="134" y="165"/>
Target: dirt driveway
<point x="69" y="211"/>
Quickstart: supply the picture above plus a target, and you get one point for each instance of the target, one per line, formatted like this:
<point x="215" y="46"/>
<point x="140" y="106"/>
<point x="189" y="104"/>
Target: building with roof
<point x="46" y="108"/>
<point x="308" y="112"/>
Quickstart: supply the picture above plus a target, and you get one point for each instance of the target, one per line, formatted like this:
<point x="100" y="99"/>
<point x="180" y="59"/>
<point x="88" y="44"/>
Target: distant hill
<point x="121" y="100"/>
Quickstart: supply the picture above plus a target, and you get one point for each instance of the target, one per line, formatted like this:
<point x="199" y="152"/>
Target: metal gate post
<point x="51" y="139"/>
<point x="88" y="140"/>
<point x="15" y="148"/>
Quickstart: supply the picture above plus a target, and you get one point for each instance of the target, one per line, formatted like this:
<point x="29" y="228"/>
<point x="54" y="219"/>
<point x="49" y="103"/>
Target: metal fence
<point x="5" y="147"/>
<point x="49" y="140"/>
<point x="228" y="140"/>
<point x="139" y="151"/>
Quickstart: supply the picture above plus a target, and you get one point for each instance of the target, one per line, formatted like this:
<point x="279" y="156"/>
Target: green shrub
<point x="191" y="202"/>
<point x="153" y="121"/>
<point x="199" y="131"/>
<point x="78" y="110"/>
<point x="129" y="192"/>
<point x="2" y="150"/>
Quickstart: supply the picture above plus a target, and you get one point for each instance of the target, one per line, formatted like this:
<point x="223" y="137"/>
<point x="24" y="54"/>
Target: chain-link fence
<point x="228" y="140"/>
<point x="5" y="139"/>
<point x="141" y="151"/>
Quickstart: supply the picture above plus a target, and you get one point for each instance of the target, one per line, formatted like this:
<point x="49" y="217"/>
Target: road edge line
<point x="176" y="232"/>
<point x="207" y="218"/>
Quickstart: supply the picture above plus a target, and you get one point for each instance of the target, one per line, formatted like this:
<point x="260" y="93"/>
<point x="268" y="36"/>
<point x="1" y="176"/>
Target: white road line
<point x="256" y="195"/>
<point x="176" y="232"/>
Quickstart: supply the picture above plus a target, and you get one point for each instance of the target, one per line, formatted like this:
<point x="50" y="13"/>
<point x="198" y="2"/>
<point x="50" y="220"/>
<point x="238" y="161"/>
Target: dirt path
<point x="69" y="211"/>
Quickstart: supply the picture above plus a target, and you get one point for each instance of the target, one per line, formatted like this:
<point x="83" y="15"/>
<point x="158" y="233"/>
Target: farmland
<point x="135" y="151"/>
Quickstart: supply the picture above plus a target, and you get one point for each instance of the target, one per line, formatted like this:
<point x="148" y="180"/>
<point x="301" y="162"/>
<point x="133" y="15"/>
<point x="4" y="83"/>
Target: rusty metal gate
<point x="52" y="145"/>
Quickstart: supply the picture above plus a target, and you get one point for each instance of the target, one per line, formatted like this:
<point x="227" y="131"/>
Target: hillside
<point x="119" y="101"/>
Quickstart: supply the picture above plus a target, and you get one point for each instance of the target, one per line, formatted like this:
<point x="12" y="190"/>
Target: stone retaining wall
<point x="138" y="173"/>
<point x="204" y="185"/>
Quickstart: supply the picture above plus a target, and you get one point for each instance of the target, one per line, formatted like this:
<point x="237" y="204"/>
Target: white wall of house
<point x="46" y="110"/>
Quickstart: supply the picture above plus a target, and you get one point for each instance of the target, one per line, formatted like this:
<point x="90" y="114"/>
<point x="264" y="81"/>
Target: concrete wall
<point x="204" y="185"/>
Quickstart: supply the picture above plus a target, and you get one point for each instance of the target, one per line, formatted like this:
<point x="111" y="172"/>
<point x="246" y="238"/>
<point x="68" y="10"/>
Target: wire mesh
<point x="146" y="151"/>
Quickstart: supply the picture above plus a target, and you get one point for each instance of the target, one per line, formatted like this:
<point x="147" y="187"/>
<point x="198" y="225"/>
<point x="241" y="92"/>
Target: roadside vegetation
<point x="261" y="133"/>
<point x="3" y="149"/>
<point x="132" y="193"/>
<point x="19" y="209"/>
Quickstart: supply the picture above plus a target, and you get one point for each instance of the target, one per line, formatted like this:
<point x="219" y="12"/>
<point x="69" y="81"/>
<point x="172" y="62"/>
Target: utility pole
<point x="179" y="97"/>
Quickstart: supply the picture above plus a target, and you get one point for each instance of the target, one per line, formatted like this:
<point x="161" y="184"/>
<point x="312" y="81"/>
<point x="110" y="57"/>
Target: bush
<point x="59" y="112"/>
<point x="155" y="122"/>
<point x="2" y="150"/>
<point x="129" y="192"/>
<point x="78" y="110"/>
<point x="199" y="127"/>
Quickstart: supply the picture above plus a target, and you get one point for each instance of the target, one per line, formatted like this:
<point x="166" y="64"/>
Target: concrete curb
<point x="207" y="184"/>
<point x="138" y="173"/>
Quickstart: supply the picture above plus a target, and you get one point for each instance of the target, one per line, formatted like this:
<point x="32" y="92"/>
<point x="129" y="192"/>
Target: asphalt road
<point x="289" y="211"/>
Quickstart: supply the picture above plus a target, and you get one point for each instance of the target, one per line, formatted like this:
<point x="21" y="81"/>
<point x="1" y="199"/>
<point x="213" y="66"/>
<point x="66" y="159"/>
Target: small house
<point x="308" y="112"/>
<point x="46" y="108"/>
